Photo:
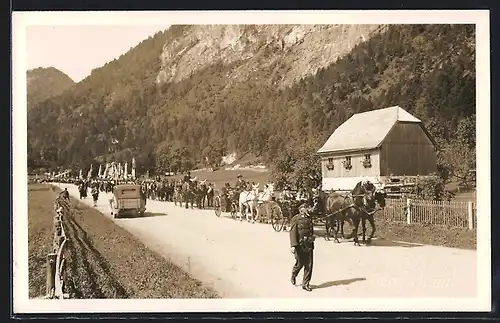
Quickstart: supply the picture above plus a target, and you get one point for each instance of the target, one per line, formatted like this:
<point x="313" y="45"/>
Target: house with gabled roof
<point x="377" y="145"/>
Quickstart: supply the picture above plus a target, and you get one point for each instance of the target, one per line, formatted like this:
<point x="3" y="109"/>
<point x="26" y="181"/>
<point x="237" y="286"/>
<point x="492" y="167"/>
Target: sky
<point x="76" y="50"/>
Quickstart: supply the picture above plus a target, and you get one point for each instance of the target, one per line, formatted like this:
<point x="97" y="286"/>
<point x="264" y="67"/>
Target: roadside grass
<point x="40" y="234"/>
<point x="103" y="260"/>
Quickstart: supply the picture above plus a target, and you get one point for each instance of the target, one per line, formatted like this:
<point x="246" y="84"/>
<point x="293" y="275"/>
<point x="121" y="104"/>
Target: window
<point x="347" y="162"/>
<point x="367" y="163"/>
<point x="329" y="165"/>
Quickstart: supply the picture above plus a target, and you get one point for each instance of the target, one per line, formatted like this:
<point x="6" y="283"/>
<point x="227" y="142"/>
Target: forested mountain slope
<point x="43" y="83"/>
<point x="168" y="121"/>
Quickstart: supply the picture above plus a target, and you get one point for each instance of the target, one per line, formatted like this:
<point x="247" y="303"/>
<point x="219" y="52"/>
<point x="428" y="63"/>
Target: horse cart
<point x="334" y="209"/>
<point x="285" y="210"/>
<point x="222" y="203"/>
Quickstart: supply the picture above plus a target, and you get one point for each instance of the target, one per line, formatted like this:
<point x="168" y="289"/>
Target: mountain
<point x="192" y="92"/>
<point x="43" y="83"/>
<point x="286" y="52"/>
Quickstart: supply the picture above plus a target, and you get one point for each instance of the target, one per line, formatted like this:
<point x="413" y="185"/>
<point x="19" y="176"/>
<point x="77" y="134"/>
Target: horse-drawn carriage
<point x="289" y="204"/>
<point x="226" y="201"/>
<point x="333" y="209"/>
<point x="247" y="202"/>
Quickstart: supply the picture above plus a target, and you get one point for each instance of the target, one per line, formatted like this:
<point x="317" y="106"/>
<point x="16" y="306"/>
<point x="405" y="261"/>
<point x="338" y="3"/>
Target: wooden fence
<point x="55" y="259"/>
<point x="453" y="214"/>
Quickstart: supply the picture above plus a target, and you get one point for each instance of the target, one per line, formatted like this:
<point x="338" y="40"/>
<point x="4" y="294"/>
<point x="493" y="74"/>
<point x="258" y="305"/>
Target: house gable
<point x="365" y="130"/>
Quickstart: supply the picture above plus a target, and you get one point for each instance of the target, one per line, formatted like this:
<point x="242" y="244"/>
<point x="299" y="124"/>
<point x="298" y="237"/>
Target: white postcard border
<point x="21" y="20"/>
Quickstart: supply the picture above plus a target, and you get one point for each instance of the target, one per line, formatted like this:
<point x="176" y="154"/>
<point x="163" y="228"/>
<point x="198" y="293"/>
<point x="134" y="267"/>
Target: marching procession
<point x="301" y="212"/>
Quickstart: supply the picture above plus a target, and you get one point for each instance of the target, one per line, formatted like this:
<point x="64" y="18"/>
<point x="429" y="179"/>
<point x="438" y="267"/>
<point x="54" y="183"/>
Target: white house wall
<point x="348" y="183"/>
<point x="341" y="178"/>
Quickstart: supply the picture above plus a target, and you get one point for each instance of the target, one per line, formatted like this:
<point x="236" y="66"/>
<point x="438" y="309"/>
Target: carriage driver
<point x="315" y="200"/>
<point x="187" y="177"/>
<point x="302" y="246"/>
<point x="241" y="185"/>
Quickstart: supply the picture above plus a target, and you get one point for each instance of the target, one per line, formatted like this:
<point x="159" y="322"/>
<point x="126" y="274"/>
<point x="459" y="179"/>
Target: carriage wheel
<point x="234" y="210"/>
<point x="277" y="218"/>
<point x="287" y="216"/>
<point x="217" y="206"/>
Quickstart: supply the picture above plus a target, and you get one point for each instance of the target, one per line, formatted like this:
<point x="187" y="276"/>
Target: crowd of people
<point x="164" y="189"/>
<point x="301" y="231"/>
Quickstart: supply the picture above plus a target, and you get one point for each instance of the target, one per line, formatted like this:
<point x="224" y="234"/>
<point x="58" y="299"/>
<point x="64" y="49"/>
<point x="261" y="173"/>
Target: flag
<point x="106" y="169"/>
<point x="116" y="172"/>
<point x="133" y="168"/>
<point x="89" y="174"/>
<point x="110" y="171"/>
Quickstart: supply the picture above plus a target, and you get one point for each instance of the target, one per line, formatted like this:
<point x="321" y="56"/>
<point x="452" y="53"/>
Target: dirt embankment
<point x="105" y="261"/>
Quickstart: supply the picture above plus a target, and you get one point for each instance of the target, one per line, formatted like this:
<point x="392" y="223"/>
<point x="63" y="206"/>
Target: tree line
<point x="429" y="70"/>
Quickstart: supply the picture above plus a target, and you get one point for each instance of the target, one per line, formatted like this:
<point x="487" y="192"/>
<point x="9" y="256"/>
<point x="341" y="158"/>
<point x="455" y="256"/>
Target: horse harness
<point x="349" y="195"/>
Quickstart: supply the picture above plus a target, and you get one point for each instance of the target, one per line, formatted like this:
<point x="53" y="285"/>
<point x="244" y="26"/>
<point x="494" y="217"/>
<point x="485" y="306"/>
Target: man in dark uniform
<point x="95" y="193"/>
<point x="187" y="177"/>
<point x="225" y="195"/>
<point x="302" y="246"/>
<point x="210" y="195"/>
<point x="65" y="194"/>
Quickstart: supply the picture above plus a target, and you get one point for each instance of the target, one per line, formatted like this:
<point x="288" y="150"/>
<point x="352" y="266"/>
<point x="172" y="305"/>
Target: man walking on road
<point x="302" y="246"/>
<point x="65" y="194"/>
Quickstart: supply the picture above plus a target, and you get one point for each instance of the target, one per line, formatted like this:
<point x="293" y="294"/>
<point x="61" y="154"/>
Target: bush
<point x="433" y="188"/>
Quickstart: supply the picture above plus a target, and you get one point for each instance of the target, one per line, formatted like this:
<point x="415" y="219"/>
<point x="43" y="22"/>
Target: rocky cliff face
<point x="286" y="52"/>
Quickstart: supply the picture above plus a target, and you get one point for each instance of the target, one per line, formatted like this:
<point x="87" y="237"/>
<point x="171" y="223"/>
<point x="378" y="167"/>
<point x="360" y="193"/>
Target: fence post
<point x="470" y="215"/>
<point x="408" y="211"/>
<point x="51" y="273"/>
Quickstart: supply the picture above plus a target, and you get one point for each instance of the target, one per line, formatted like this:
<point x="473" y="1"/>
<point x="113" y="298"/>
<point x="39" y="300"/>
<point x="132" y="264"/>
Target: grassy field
<point x="399" y="234"/>
<point x="40" y="226"/>
<point x="426" y="234"/>
<point x="465" y="197"/>
<point x="102" y="259"/>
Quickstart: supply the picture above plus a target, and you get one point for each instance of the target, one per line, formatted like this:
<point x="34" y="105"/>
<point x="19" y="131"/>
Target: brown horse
<point x="359" y="205"/>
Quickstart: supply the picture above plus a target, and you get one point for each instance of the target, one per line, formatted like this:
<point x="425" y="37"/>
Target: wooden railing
<point x="55" y="259"/>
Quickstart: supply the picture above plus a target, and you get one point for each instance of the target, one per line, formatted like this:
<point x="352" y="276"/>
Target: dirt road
<point x="241" y="259"/>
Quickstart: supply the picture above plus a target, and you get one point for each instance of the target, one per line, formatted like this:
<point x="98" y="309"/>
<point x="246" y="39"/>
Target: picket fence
<point x="452" y="214"/>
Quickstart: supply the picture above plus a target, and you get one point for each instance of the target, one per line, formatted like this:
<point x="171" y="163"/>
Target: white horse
<point x="263" y="197"/>
<point x="247" y="200"/>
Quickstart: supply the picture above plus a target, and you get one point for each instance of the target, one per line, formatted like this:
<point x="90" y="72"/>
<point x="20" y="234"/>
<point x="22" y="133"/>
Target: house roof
<point x="366" y="130"/>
